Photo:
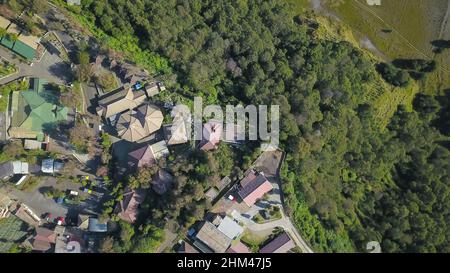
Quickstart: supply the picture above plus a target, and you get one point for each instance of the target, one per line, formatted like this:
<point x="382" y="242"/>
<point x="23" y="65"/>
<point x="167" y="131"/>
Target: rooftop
<point x="213" y="238"/>
<point x="281" y="244"/>
<point x="253" y="187"/>
<point x="230" y="228"/>
<point x="35" y="111"/>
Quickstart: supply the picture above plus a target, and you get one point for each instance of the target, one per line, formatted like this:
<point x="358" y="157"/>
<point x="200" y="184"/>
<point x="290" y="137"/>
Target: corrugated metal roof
<point x="213" y="238"/>
<point x="230" y="228"/>
<point x="24" y="50"/>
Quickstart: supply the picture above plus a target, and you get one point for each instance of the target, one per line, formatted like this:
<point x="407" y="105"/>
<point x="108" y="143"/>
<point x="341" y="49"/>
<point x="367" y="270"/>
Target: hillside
<point x="396" y="29"/>
<point x="367" y="153"/>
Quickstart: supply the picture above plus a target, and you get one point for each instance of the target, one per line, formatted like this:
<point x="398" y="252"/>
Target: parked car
<point x="60" y="221"/>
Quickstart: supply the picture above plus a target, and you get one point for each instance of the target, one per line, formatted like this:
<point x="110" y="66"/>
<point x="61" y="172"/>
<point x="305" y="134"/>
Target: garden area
<point x="12" y="231"/>
<point x="271" y="213"/>
<point x="8" y="88"/>
<point x="6" y="68"/>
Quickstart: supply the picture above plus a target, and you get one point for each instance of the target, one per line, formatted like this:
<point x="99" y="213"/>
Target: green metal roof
<point x="36" y="111"/>
<point x="7" y="42"/>
<point x="24" y="50"/>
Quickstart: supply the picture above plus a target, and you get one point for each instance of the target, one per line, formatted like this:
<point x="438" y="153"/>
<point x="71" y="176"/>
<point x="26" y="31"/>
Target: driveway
<point x="50" y="67"/>
<point x="284" y="223"/>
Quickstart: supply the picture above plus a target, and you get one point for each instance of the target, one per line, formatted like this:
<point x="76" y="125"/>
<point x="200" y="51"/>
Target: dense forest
<point x="347" y="180"/>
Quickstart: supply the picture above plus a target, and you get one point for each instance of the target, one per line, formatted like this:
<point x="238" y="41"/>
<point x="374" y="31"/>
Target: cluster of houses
<point x="221" y="235"/>
<point x="59" y="238"/>
<point x="19" y="41"/>
<point x="18" y="170"/>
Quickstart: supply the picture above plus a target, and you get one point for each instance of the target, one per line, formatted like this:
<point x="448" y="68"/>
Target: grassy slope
<point x="384" y="97"/>
<point x="414" y="24"/>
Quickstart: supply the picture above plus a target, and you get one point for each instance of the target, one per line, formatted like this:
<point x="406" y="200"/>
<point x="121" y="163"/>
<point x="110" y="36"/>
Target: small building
<point x="43" y="240"/>
<point x="212" y="238"/>
<point x="47" y="165"/>
<point x="212" y="134"/>
<point x="238" y="247"/>
<point x="147" y="155"/>
<point x="20" y="167"/>
<point x="162" y="181"/>
<point x="373" y="2"/>
<point x="83" y="221"/>
<point x="159" y="150"/>
<point x="177" y="132"/>
<point x="27" y="215"/>
<point x="230" y="228"/>
<point x="185" y="247"/>
<point x="128" y="208"/>
<point x="73" y="2"/>
<point x="253" y="187"/>
<point x="223" y="183"/>
<point x="281" y="244"/>
<point x="153" y="88"/>
<point x="211" y="194"/>
<point x="31" y="144"/>
<point x="51" y="166"/>
<point x="96" y="226"/>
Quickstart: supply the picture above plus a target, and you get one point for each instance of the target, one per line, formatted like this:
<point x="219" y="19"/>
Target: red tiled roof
<point x="239" y="247"/>
<point x="254" y="189"/>
<point x="44" y="234"/>
<point x="128" y="208"/>
<point x="141" y="157"/>
<point x="212" y="133"/>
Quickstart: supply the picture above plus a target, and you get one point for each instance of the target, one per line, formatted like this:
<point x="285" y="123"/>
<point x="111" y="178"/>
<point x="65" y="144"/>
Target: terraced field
<point x="395" y="29"/>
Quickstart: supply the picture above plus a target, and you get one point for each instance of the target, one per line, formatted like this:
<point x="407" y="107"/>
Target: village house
<point x="122" y="99"/>
<point x="253" y="187"/>
<point x="177" y="132"/>
<point x="209" y="239"/>
<point x="230" y="228"/>
<point x="238" y="247"/>
<point x="83" y="221"/>
<point x="147" y="155"/>
<point x="127" y="110"/>
<point x="212" y="134"/>
<point x="138" y="123"/>
<point x="43" y="240"/>
<point x="27" y="215"/>
<point x="26" y="45"/>
<point x="128" y="208"/>
<point x="185" y="247"/>
<point x="153" y="88"/>
<point x="281" y="244"/>
<point x="34" y="111"/>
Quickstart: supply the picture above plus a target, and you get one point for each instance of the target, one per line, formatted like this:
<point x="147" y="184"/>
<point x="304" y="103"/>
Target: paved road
<point x="270" y="163"/>
<point x="2" y="127"/>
